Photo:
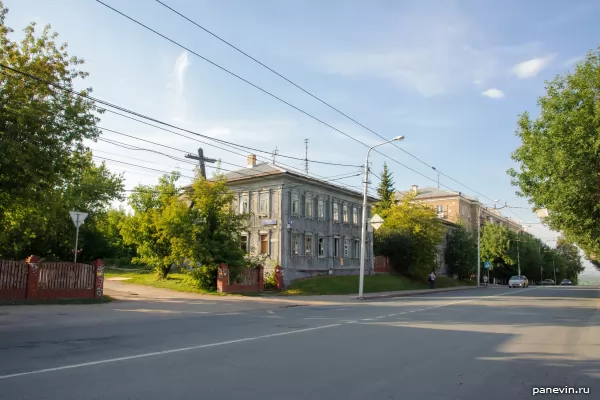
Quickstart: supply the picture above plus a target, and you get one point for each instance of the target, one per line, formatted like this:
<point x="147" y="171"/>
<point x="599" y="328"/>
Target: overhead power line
<point x="268" y="93"/>
<point x="313" y="95"/>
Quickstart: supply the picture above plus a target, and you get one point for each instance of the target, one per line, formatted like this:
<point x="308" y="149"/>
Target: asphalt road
<point x="489" y="343"/>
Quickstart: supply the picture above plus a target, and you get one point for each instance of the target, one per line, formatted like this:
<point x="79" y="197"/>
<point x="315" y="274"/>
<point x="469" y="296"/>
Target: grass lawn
<point x="104" y="299"/>
<point x="174" y="281"/>
<point x="373" y="284"/>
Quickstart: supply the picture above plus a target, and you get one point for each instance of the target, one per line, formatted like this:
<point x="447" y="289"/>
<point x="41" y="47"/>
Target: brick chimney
<point x="252" y="161"/>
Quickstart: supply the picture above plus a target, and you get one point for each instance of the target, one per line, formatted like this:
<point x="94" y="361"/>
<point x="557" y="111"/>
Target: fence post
<point x="222" y="278"/>
<point x="279" y="277"/>
<point x="99" y="281"/>
<point x="261" y="278"/>
<point x="33" y="276"/>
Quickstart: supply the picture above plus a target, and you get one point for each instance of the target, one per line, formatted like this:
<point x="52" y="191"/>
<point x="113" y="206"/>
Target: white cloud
<point x="431" y="53"/>
<point x="531" y="68"/>
<point x="179" y="69"/>
<point x="493" y="93"/>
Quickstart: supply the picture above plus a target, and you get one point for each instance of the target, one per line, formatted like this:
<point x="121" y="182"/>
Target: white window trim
<point x="321" y="207"/>
<point x="319" y="239"/>
<point x="333" y="216"/>
<point x="345" y="214"/>
<point x="355" y="213"/>
<point x="308" y="237"/>
<point x="308" y="200"/>
<point x="296" y="198"/>
<point x="297" y="237"/>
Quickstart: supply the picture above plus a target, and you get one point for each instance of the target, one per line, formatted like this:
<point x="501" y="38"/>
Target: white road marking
<point x="217" y="344"/>
<point x="159" y="353"/>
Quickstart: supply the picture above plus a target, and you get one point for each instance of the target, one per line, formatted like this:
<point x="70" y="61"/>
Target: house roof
<point x="264" y="170"/>
<point x="428" y="192"/>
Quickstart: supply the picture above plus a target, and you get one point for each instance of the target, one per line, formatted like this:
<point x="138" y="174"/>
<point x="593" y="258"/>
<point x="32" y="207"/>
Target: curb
<point x="400" y="294"/>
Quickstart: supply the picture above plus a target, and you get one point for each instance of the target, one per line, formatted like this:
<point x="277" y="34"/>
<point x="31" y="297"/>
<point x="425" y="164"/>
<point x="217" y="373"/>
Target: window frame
<point x="336" y="247"/>
<point x="296" y="202"/>
<point x="308" y="206"/>
<point x="355" y="215"/>
<point x="345" y="213"/>
<point x="308" y="245"/>
<point x="265" y="242"/>
<point x="263" y="199"/>
<point x="336" y="211"/>
<point x="356" y="248"/>
<point x="295" y="244"/>
<point x="321" y="246"/>
<point x="321" y="208"/>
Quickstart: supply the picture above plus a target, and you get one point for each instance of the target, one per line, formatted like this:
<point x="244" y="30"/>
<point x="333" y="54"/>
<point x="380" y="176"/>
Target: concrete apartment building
<point x="453" y="208"/>
<point x="308" y="226"/>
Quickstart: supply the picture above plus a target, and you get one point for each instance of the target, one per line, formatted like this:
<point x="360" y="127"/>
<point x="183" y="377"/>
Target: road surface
<point x="488" y="343"/>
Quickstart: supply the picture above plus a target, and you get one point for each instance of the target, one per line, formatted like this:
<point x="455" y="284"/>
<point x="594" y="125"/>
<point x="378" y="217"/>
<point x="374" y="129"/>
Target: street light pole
<point x="478" y="245"/>
<point x="363" y="235"/>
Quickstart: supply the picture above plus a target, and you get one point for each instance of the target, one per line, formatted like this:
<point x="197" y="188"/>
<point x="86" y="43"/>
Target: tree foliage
<point x="410" y="236"/>
<point x="385" y="190"/>
<point x="159" y="225"/>
<point x="45" y="169"/>
<point x="461" y="252"/>
<point x="559" y="155"/>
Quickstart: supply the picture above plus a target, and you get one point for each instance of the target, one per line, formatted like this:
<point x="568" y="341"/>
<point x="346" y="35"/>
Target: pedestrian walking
<point x="431" y="280"/>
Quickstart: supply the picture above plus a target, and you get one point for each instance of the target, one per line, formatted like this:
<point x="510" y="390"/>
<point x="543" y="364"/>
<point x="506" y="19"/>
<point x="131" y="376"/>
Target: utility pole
<point x="438" y="176"/>
<point x="478" y="244"/>
<point x="306" y="156"/>
<point x="275" y="152"/>
<point x="518" y="255"/>
<point x="554" y="269"/>
<point x="201" y="159"/>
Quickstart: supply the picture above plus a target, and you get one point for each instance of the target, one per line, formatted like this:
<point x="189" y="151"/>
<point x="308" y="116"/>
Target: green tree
<point x="571" y="264"/>
<point x="45" y="169"/>
<point x="159" y="226"/>
<point x="461" y="252"/>
<point x="385" y="190"/>
<point x="559" y="155"/>
<point x="410" y="236"/>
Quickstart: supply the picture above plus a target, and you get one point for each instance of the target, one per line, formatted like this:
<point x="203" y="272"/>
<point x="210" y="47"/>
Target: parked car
<point x="548" y="282"/>
<point x="518" y="281"/>
<point x="566" y="282"/>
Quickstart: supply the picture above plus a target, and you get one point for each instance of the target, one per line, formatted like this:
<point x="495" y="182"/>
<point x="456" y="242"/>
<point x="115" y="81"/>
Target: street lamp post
<point x="363" y="235"/>
<point x="479" y="245"/>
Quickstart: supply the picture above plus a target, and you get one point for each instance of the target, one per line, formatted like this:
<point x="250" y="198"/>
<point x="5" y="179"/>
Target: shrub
<point x="205" y="276"/>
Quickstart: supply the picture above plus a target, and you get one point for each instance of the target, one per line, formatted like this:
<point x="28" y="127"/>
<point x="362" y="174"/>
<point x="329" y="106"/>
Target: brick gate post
<point x="33" y="276"/>
<point x="99" y="281"/>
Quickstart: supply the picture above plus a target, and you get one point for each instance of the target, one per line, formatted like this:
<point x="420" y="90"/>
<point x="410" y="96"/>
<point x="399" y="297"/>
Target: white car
<point x="518" y="281"/>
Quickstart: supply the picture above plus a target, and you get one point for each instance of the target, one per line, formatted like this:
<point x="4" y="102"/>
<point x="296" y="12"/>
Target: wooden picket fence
<point x="30" y="279"/>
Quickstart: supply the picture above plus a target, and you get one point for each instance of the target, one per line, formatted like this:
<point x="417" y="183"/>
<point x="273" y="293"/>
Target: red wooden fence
<point x="13" y="279"/>
<point x="30" y="279"/>
<point x="249" y="280"/>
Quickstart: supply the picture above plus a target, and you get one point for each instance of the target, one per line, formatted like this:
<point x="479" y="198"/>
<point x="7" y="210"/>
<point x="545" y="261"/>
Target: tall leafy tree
<point x="45" y="169"/>
<point x="559" y="155"/>
<point x="461" y="252"/>
<point x="385" y="190"/>
<point x="160" y="225"/>
<point x="410" y="236"/>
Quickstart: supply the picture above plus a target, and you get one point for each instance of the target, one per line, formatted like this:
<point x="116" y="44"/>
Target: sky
<point x="451" y="76"/>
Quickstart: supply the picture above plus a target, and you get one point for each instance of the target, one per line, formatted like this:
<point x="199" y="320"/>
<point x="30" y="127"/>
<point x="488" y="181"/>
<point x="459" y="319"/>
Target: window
<point x="295" y="244"/>
<point x="345" y="212"/>
<point x="264" y="243"/>
<point x="308" y="245"/>
<point x="357" y="249"/>
<point x="321" y="247"/>
<point x="295" y="204"/>
<point x="321" y="209"/>
<point x="347" y="248"/>
<point x="244" y="205"/>
<point x="244" y="242"/>
<point x="308" y="206"/>
<point x="336" y="212"/>
<point x="263" y="203"/>
<point x="355" y="215"/>
<point x="439" y="209"/>
<point x="336" y="247"/>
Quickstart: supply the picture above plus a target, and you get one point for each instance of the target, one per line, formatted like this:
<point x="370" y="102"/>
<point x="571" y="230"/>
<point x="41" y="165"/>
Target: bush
<point x="270" y="283"/>
<point x="205" y="277"/>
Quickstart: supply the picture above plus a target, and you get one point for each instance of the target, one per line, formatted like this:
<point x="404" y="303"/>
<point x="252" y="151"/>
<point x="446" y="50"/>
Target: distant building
<point x="308" y="226"/>
<point x="454" y="208"/>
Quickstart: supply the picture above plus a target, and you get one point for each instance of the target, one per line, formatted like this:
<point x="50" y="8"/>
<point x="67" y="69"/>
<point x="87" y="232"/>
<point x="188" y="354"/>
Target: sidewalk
<point x="407" y="293"/>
